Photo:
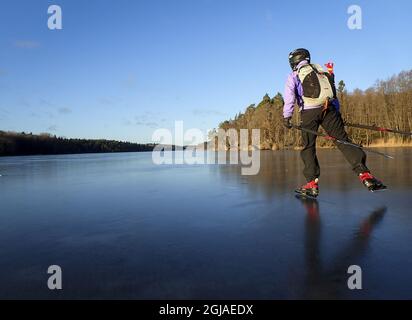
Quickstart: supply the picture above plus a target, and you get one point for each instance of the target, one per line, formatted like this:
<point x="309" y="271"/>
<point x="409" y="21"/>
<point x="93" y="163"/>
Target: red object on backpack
<point x="329" y="66"/>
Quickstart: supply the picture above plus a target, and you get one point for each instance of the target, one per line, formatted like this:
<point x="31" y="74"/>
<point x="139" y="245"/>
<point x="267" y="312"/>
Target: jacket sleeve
<point x="289" y="97"/>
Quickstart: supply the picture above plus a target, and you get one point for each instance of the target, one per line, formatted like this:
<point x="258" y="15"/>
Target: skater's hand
<point x="329" y="66"/>
<point x="287" y="122"/>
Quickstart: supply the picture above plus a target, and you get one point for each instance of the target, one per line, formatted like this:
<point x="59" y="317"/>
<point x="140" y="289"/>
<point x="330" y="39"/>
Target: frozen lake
<point x="121" y="227"/>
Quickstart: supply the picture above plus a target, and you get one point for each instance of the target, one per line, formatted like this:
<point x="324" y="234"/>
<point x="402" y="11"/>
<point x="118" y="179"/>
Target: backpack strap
<point x="316" y="70"/>
<point x="297" y="71"/>
<point x="310" y="65"/>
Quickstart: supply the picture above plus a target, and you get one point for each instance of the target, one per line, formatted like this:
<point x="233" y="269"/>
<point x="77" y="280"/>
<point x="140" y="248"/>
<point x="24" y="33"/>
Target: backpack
<point x="317" y="86"/>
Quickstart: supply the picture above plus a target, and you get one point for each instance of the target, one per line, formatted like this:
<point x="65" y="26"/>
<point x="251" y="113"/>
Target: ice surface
<point x="121" y="227"/>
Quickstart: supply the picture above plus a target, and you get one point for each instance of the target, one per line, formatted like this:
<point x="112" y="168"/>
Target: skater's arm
<point x="331" y="75"/>
<point x="289" y="96"/>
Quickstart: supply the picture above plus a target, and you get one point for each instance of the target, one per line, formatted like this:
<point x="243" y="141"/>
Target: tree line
<point x="19" y="144"/>
<point x="386" y="104"/>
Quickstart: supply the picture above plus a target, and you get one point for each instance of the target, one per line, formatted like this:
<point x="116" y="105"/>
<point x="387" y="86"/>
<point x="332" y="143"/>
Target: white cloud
<point x="26" y="44"/>
<point x="130" y="82"/>
<point x="64" y="110"/>
<point x="207" y="112"/>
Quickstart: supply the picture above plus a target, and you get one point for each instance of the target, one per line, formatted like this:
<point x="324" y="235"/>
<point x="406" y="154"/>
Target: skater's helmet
<point x="297" y="56"/>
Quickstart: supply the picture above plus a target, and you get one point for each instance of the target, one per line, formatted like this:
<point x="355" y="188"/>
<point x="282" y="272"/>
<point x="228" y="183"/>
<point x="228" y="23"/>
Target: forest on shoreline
<point x="22" y="144"/>
<point x="386" y="104"/>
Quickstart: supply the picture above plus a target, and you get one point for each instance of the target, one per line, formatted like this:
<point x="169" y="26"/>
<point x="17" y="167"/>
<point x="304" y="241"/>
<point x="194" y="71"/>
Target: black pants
<point x="332" y="122"/>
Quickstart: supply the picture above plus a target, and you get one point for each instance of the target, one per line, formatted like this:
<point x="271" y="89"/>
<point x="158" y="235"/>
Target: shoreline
<point x="409" y="145"/>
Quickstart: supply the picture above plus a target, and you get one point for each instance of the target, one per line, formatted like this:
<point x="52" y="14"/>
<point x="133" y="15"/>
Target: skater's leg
<point x="334" y="126"/>
<point x="310" y="120"/>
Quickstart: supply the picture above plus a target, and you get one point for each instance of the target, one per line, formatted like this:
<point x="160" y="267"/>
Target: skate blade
<point x="304" y="195"/>
<point x="305" y="198"/>
<point x="379" y="190"/>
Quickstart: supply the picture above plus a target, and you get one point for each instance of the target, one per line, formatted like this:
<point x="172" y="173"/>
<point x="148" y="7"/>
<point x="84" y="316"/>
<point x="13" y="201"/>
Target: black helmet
<point x="297" y="56"/>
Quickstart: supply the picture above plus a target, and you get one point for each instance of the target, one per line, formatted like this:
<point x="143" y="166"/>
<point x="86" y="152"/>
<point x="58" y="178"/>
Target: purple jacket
<point x="294" y="93"/>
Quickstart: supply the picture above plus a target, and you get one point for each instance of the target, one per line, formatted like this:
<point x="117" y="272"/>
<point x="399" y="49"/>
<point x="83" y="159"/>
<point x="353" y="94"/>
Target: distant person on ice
<point x="315" y="93"/>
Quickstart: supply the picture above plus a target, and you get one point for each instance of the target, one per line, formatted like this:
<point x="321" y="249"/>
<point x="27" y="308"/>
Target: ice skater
<point x="314" y="91"/>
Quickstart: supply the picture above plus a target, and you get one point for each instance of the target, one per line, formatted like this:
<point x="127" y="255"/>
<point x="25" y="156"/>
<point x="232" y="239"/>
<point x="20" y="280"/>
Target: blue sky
<point x="120" y="69"/>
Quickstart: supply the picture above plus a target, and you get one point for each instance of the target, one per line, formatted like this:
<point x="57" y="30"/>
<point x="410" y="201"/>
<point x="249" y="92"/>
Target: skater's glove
<point x="287" y="122"/>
